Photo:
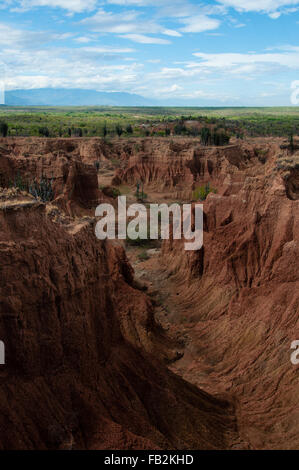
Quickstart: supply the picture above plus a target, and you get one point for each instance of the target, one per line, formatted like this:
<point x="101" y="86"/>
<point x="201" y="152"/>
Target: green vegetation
<point x="140" y="195"/>
<point x="3" y="129"/>
<point x="209" y="137"/>
<point x="142" y="243"/>
<point x="201" y="193"/>
<point x="42" y="189"/>
<point x="108" y="122"/>
<point x="143" y="256"/>
<point x="97" y="165"/>
<point x="115" y="193"/>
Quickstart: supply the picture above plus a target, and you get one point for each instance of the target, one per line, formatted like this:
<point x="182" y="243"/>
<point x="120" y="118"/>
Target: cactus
<point x="42" y="190"/>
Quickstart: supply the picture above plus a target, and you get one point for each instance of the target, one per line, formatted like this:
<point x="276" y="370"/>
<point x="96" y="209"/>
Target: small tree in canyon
<point x="3" y="129"/>
<point x="119" y="130"/>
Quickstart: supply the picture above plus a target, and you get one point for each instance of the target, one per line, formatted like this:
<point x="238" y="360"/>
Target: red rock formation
<point x="240" y="293"/>
<point x="75" y="183"/>
<point x="79" y="339"/>
<point x="181" y="165"/>
<point x="84" y="354"/>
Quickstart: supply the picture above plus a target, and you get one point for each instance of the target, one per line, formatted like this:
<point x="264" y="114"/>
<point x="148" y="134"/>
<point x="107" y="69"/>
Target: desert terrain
<point x="114" y="345"/>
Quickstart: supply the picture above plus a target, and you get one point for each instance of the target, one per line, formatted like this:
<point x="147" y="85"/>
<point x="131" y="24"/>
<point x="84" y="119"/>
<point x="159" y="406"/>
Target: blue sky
<point x="225" y="52"/>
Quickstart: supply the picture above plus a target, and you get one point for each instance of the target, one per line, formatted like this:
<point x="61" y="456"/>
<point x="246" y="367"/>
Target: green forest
<point x="213" y="125"/>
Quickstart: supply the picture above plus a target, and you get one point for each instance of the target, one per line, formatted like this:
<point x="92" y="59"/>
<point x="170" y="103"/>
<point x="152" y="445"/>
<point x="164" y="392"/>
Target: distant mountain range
<point x="73" y="97"/>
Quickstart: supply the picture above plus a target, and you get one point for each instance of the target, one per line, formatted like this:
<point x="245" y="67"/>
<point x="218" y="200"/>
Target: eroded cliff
<point x="80" y="370"/>
<point x="87" y="350"/>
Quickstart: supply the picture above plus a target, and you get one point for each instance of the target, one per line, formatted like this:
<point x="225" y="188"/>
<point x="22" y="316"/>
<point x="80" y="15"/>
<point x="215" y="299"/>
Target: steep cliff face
<point x="180" y="165"/>
<point x="84" y="354"/>
<point x="176" y="165"/>
<point x="240" y="293"/>
<point x="80" y="370"/>
<point x="88" y="150"/>
<point x="74" y="183"/>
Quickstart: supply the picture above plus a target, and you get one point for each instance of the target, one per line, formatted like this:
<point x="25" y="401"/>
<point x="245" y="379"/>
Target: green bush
<point x="38" y="189"/>
<point x="42" y="190"/>
<point x="143" y="256"/>
<point x="3" y="128"/>
<point x="129" y="129"/>
<point x="44" y="131"/>
<point x="143" y="242"/>
<point x="201" y="193"/>
<point x="119" y="130"/>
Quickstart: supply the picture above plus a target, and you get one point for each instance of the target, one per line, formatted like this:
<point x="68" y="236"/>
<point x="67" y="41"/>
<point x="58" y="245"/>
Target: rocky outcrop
<point x="84" y="356"/>
<point x="240" y="295"/>
<point x="175" y="165"/>
<point x="181" y="165"/>
<point x="74" y="183"/>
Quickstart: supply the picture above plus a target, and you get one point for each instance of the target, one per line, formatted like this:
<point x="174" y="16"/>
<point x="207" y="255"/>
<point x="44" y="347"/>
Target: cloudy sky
<point x="225" y="52"/>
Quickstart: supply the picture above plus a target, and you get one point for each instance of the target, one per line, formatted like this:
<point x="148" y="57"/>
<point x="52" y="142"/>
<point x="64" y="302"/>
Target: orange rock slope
<point x="241" y="295"/>
<point x="80" y="370"/>
<point x="85" y="356"/>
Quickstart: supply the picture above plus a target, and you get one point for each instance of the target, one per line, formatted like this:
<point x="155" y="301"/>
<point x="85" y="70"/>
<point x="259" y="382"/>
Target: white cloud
<point x="173" y="88"/>
<point x="40" y="58"/>
<point x="139" y="3"/>
<point x="69" y="68"/>
<point x="105" y="50"/>
<point x="142" y="39"/>
<point x="223" y="68"/>
<point x="131" y="22"/>
<point x="12" y="37"/>
<point x="264" y="6"/>
<point x="233" y="61"/>
<point x="120" y="23"/>
<point x="83" y="39"/>
<point x="198" y="24"/>
<point x="171" y="32"/>
<point x="128" y="2"/>
<point x="275" y="15"/>
<point x="29" y="64"/>
<point x="74" y="6"/>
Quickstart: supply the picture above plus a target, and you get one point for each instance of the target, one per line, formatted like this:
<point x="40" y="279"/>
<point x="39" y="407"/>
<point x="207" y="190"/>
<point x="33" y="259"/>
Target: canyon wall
<point x="84" y="356"/>
<point x="240" y="294"/>
<point x="86" y="360"/>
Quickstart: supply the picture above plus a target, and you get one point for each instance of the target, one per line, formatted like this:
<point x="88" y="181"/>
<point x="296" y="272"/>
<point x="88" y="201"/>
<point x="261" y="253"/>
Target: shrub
<point x="78" y="132"/>
<point x="201" y="193"/>
<point x="3" y="129"/>
<point x="180" y="128"/>
<point x="140" y="242"/>
<point x="38" y="189"/>
<point x="19" y="183"/>
<point x="140" y="195"/>
<point x="129" y="129"/>
<point x="42" y="190"/>
<point x="143" y="256"/>
<point x="119" y="130"/>
<point x="105" y="130"/>
<point x="44" y="131"/>
<point x="205" y="136"/>
<point x="110" y="191"/>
